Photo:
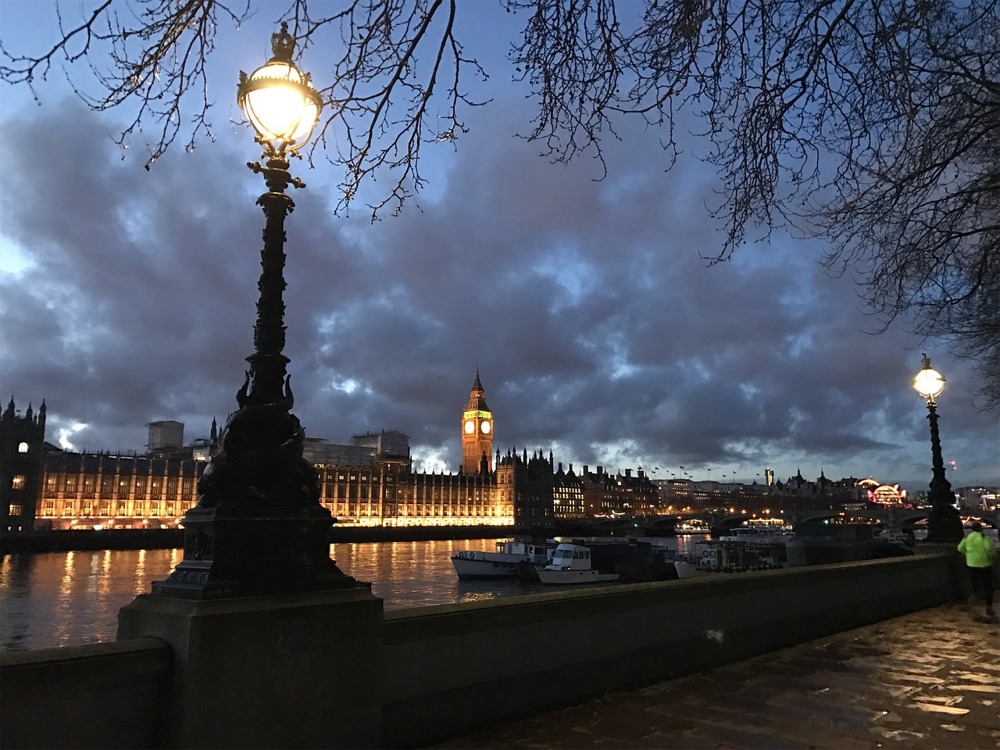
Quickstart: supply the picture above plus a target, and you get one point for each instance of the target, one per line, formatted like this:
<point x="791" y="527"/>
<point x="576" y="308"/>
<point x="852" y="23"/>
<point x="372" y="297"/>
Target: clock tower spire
<point x="477" y="432"/>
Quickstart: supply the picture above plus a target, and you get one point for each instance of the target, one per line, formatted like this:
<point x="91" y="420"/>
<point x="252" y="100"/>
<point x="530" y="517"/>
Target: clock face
<point x="485" y="427"/>
<point x="470" y="426"/>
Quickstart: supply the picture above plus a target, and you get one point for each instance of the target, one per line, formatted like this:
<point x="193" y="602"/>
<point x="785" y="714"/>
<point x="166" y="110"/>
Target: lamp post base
<point x="253" y="551"/>
<point x="944" y="525"/>
<point x="288" y="670"/>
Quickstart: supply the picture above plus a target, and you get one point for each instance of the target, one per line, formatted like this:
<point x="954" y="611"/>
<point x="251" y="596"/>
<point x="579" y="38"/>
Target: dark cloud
<point x="598" y="328"/>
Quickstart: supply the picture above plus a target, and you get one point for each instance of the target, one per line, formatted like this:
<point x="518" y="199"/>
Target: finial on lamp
<point x="282" y="44"/>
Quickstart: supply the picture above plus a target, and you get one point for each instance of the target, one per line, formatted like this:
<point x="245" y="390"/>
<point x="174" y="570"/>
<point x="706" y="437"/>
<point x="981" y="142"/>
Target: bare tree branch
<point x="871" y="123"/>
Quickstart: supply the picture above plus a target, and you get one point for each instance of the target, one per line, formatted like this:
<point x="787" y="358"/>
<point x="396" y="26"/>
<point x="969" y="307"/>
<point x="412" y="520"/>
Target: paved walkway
<point x="930" y="679"/>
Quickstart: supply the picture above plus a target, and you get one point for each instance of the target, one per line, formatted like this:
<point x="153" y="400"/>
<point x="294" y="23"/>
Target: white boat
<point x="688" y="569"/>
<point x="505" y="562"/>
<point x="571" y="564"/>
<point x="694" y="526"/>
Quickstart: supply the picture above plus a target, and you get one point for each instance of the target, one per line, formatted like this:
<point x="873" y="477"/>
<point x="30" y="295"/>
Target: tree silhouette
<point x="874" y="124"/>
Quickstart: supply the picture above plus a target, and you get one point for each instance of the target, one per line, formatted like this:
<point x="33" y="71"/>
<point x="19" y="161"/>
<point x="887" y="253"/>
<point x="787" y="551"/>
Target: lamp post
<point x="258" y="527"/>
<point x="943" y="524"/>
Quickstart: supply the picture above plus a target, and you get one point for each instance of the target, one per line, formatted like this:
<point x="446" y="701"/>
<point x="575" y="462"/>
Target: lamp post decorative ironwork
<point x="943" y="523"/>
<point x="258" y="527"/>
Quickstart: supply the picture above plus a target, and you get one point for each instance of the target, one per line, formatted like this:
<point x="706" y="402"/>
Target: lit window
<point x="17" y="482"/>
<point x="14" y="510"/>
<point x="22" y="447"/>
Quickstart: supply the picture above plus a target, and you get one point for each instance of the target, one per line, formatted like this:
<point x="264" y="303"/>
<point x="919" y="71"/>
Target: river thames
<point x="68" y="598"/>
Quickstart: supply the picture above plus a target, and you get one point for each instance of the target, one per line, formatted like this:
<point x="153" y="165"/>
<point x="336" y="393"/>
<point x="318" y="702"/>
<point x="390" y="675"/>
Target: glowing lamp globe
<point x="929" y="383"/>
<point x="279" y="100"/>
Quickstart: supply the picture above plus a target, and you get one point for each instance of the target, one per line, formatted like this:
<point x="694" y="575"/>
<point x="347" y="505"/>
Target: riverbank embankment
<point x="92" y="539"/>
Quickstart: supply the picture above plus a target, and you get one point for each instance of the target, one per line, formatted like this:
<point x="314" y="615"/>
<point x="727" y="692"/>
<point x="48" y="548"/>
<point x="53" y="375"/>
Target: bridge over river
<point x="903" y="518"/>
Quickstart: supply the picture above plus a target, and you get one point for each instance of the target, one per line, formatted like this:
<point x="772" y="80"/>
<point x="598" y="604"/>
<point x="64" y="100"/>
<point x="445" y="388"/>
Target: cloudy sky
<point x="598" y="330"/>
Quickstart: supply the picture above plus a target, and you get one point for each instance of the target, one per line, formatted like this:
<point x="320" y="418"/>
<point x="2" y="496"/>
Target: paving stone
<point x="930" y="679"/>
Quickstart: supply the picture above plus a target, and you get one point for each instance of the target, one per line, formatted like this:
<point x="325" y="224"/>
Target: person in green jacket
<point x="979" y="553"/>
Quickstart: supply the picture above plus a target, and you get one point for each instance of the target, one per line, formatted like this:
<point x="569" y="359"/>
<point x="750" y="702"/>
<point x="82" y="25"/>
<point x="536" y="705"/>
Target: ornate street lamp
<point x="943" y="524"/>
<point x="258" y="527"/>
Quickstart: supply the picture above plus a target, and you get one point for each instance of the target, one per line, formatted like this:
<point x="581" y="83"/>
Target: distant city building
<point x="165" y="437"/>
<point x="201" y="450"/>
<point x="527" y="483"/>
<point x="978" y="498"/>
<point x="676" y="495"/>
<point x="567" y="495"/>
<point x="607" y="494"/>
<point x="324" y="453"/>
<point x="846" y="489"/>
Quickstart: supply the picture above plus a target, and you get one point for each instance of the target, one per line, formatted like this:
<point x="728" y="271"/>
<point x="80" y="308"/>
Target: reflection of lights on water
<point x="406" y="574"/>
<point x="67" y="598"/>
<point x="95" y="574"/>
<point x="61" y="606"/>
<point x="478" y="596"/>
<point x="104" y="579"/>
<point x="64" y="603"/>
<point x="67" y="580"/>
<point x="140" y="573"/>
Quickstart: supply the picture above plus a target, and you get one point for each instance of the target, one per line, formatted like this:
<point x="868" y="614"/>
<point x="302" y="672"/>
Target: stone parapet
<point x="101" y="695"/>
<point x="333" y="670"/>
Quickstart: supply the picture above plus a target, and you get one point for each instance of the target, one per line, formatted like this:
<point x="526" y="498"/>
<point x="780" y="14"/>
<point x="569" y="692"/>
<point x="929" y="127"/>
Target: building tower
<point x="477" y="432"/>
<point x="21" y="450"/>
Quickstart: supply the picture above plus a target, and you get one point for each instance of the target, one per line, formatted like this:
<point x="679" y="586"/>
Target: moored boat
<point x="759" y="534"/>
<point x="833" y="540"/>
<point x="505" y="562"/>
<point x="571" y="564"/>
<point x="687" y="568"/>
<point x="845" y="539"/>
<point x="730" y="556"/>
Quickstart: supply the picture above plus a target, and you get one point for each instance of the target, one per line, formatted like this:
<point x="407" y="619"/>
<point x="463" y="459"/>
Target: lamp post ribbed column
<point x="258" y="526"/>
<point x="943" y="523"/>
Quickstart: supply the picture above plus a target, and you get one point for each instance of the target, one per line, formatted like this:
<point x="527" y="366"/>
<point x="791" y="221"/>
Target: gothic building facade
<point x="368" y="483"/>
<point x="22" y="440"/>
<point x="477" y="432"/>
<point x="102" y="490"/>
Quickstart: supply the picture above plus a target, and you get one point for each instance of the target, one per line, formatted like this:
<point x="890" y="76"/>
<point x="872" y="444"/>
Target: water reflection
<point x="64" y="598"/>
<point x="16" y="599"/>
<point x="63" y="618"/>
<point x="103" y="587"/>
<point x="407" y="574"/>
<point x="140" y="573"/>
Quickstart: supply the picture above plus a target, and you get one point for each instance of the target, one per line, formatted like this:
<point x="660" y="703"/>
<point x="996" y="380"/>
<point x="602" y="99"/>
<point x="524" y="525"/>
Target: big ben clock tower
<point x="477" y="431"/>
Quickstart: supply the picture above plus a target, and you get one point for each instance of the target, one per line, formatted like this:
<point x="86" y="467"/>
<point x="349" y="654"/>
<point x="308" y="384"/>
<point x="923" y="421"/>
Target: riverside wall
<point x="449" y="669"/>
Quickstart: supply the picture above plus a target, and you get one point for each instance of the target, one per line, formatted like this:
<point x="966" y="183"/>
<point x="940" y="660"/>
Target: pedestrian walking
<point x="979" y="553"/>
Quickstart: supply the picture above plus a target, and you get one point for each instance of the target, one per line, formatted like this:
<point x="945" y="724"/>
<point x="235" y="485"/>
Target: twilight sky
<point x="598" y="330"/>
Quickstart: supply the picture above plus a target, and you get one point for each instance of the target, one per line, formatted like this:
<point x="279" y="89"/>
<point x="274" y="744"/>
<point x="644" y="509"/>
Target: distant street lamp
<point x="943" y="523"/>
<point x="258" y="527"/>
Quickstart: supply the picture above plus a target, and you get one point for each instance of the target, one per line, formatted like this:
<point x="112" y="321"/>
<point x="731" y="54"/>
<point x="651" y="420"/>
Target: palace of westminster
<point x="370" y="482"/>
